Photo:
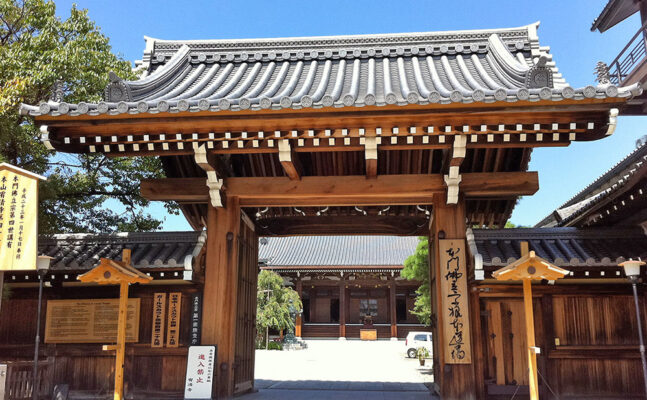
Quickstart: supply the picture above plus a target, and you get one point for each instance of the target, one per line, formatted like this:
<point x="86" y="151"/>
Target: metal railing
<point x="631" y="55"/>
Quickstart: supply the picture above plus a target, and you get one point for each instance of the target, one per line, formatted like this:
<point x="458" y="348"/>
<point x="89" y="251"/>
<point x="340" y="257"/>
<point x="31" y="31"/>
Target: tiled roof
<point x="338" y="71"/>
<point x="80" y="252"/>
<point x="564" y="247"/>
<point x="615" y="11"/>
<point x="610" y="182"/>
<point x="336" y="250"/>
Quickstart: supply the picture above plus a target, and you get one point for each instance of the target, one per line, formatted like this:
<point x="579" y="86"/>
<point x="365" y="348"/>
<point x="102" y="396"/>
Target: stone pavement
<point x="333" y="369"/>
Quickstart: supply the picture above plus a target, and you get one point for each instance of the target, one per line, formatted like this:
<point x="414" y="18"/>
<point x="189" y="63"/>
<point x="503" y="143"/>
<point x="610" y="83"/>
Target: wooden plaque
<point x="455" y="304"/>
<point x="159" y="312"/>
<point x="173" y="333"/>
<point x="89" y="321"/>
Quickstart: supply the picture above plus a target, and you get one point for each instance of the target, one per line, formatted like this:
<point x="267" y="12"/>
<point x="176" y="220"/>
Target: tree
<point x="43" y="57"/>
<point x="276" y="304"/>
<point x="416" y="268"/>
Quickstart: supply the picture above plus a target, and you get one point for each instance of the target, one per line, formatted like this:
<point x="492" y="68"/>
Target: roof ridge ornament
<point x="117" y="90"/>
<point x="540" y="75"/>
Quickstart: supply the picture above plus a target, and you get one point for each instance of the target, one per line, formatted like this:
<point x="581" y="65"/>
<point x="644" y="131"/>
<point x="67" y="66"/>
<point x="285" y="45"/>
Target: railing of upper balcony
<point x="631" y="55"/>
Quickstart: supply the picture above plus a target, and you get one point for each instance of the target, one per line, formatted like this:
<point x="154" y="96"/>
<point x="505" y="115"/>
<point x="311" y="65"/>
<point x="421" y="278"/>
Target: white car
<point x="418" y="339"/>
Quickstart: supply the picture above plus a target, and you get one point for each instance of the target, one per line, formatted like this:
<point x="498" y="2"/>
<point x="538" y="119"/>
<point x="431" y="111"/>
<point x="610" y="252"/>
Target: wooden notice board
<point x="454" y="307"/>
<point x="89" y="321"/>
<point x="173" y="332"/>
<point x="159" y="312"/>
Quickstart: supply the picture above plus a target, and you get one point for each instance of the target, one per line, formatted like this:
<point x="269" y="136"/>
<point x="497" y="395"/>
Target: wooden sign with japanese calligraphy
<point x="18" y="218"/>
<point x="454" y="307"/>
<point x="199" y="372"/>
<point x="173" y="333"/>
<point x="89" y="321"/>
<point x="159" y="312"/>
<point x="196" y="314"/>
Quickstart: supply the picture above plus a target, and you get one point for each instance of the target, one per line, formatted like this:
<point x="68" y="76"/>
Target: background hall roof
<point x="633" y="165"/>
<point x="338" y="71"/>
<point x="337" y="250"/>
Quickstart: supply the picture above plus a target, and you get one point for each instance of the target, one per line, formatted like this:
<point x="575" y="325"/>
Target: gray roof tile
<point x="80" y="252"/>
<point x="338" y="71"/>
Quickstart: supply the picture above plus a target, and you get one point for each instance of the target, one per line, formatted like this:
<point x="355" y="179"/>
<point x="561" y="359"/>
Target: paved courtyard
<point x="333" y="369"/>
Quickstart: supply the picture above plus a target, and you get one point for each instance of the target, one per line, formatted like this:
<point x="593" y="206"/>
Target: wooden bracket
<point x="213" y="183"/>
<point x="453" y="179"/>
<point x="289" y="160"/>
<point x="613" y="121"/>
<point x="370" y="154"/>
<point x="44" y="137"/>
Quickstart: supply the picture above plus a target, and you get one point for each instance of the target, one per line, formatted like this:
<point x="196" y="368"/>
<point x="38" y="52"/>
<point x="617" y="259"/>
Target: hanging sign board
<point x="173" y="333"/>
<point x="199" y="372"/>
<point x="18" y="218"/>
<point x="196" y="313"/>
<point x="159" y="312"/>
<point x="89" y="321"/>
<point x="454" y="307"/>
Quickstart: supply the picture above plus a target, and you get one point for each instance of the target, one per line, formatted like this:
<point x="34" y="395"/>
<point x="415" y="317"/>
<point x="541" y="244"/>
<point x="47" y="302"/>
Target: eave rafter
<point x="175" y="136"/>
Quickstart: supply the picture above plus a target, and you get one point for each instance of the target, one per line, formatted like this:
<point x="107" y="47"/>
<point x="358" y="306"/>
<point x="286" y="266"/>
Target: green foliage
<point x="277" y="305"/>
<point x="274" y="346"/>
<point x="422" y="353"/>
<point x="40" y="54"/>
<point x="416" y="268"/>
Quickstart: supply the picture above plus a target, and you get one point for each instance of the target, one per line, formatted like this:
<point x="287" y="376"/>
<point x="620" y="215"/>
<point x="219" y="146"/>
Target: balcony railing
<point x="629" y="58"/>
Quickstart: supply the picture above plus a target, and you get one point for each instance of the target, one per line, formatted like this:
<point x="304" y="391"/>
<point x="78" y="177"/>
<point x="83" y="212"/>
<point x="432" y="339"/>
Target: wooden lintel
<point x="341" y="190"/>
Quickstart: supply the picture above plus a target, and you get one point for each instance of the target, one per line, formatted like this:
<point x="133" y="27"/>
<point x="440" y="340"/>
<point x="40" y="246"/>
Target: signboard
<point x="454" y="307"/>
<point x="159" y="312"/>
<point x="18" y="218"/>
<point x="89" y="321"/>
<point x="199" y="372"/>
<point x="173" y="333"/>
<point x="196" y="314"/>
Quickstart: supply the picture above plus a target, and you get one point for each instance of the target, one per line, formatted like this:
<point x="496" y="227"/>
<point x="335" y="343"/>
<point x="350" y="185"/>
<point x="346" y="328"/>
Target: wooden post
<point x="342" y="309"/>
<point x="298" y="323"/>
<point x="530" y="331"/>
<point x="121" y="341"/>
<point x="219" y="307"/>
<point x="455" y="381"/>
<point x="392" y="309"/>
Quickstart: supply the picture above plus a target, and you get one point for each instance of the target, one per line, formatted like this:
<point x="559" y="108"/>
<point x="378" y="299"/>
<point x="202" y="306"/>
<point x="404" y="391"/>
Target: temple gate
<point x="405" y="134"/>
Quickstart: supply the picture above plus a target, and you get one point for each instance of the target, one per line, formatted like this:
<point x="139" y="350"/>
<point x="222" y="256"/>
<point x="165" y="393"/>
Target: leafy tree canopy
<point x="277" y="304"/>
<point x="41" y="54"/>
<point x="416" y="268"/>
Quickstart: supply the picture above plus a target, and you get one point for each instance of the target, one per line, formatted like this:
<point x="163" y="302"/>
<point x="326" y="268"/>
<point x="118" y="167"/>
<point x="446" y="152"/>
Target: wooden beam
<point x="370" y="154"/>
<point x="341" y="190"/>
<point x="289" y="160"/>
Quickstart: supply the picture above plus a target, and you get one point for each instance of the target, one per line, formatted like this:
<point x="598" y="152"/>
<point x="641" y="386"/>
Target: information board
<point x="199" y="372"/>
<point x="454" y="306"/>
<point x="174" y="308"/>
<point x="89" y="321"/>
<point x="159" y="312"/>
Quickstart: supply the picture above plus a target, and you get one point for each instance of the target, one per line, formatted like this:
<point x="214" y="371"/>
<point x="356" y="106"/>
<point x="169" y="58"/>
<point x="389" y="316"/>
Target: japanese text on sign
<point x="173" y="333"/>
<point x="455" y="313"/>
<point x="199" y="372"/>
<point x="159" y="312"/>
<point x="196" y="313"/>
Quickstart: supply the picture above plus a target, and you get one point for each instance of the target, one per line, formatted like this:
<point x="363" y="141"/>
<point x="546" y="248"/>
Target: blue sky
<point x="564" y="27"/>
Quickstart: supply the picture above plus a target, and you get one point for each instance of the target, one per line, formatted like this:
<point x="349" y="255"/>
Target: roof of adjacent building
<point x="634" y="165"/>
<point x="338" y="71"/>
<point x="80" y="252"/>
<point x="614" y="12"/>
<point x="336" y="251"/>
<point x="564" y="247"/>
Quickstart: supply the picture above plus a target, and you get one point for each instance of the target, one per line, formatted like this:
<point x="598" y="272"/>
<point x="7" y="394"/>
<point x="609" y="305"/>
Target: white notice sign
<point x="199" y="372"/>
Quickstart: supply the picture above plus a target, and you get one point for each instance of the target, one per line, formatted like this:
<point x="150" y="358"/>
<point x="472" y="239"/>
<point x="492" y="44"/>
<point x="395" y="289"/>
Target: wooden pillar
<point x="342" y="308"/>
<point x="455" y="381"/>
<point x="220" y="291"/>
<point x="121" y="341"/>
<point x="392" y="310"/>
<point x="298" y="322"/>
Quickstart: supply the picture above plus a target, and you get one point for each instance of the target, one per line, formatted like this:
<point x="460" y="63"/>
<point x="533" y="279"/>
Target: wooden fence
<point x="19" y="380"/>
